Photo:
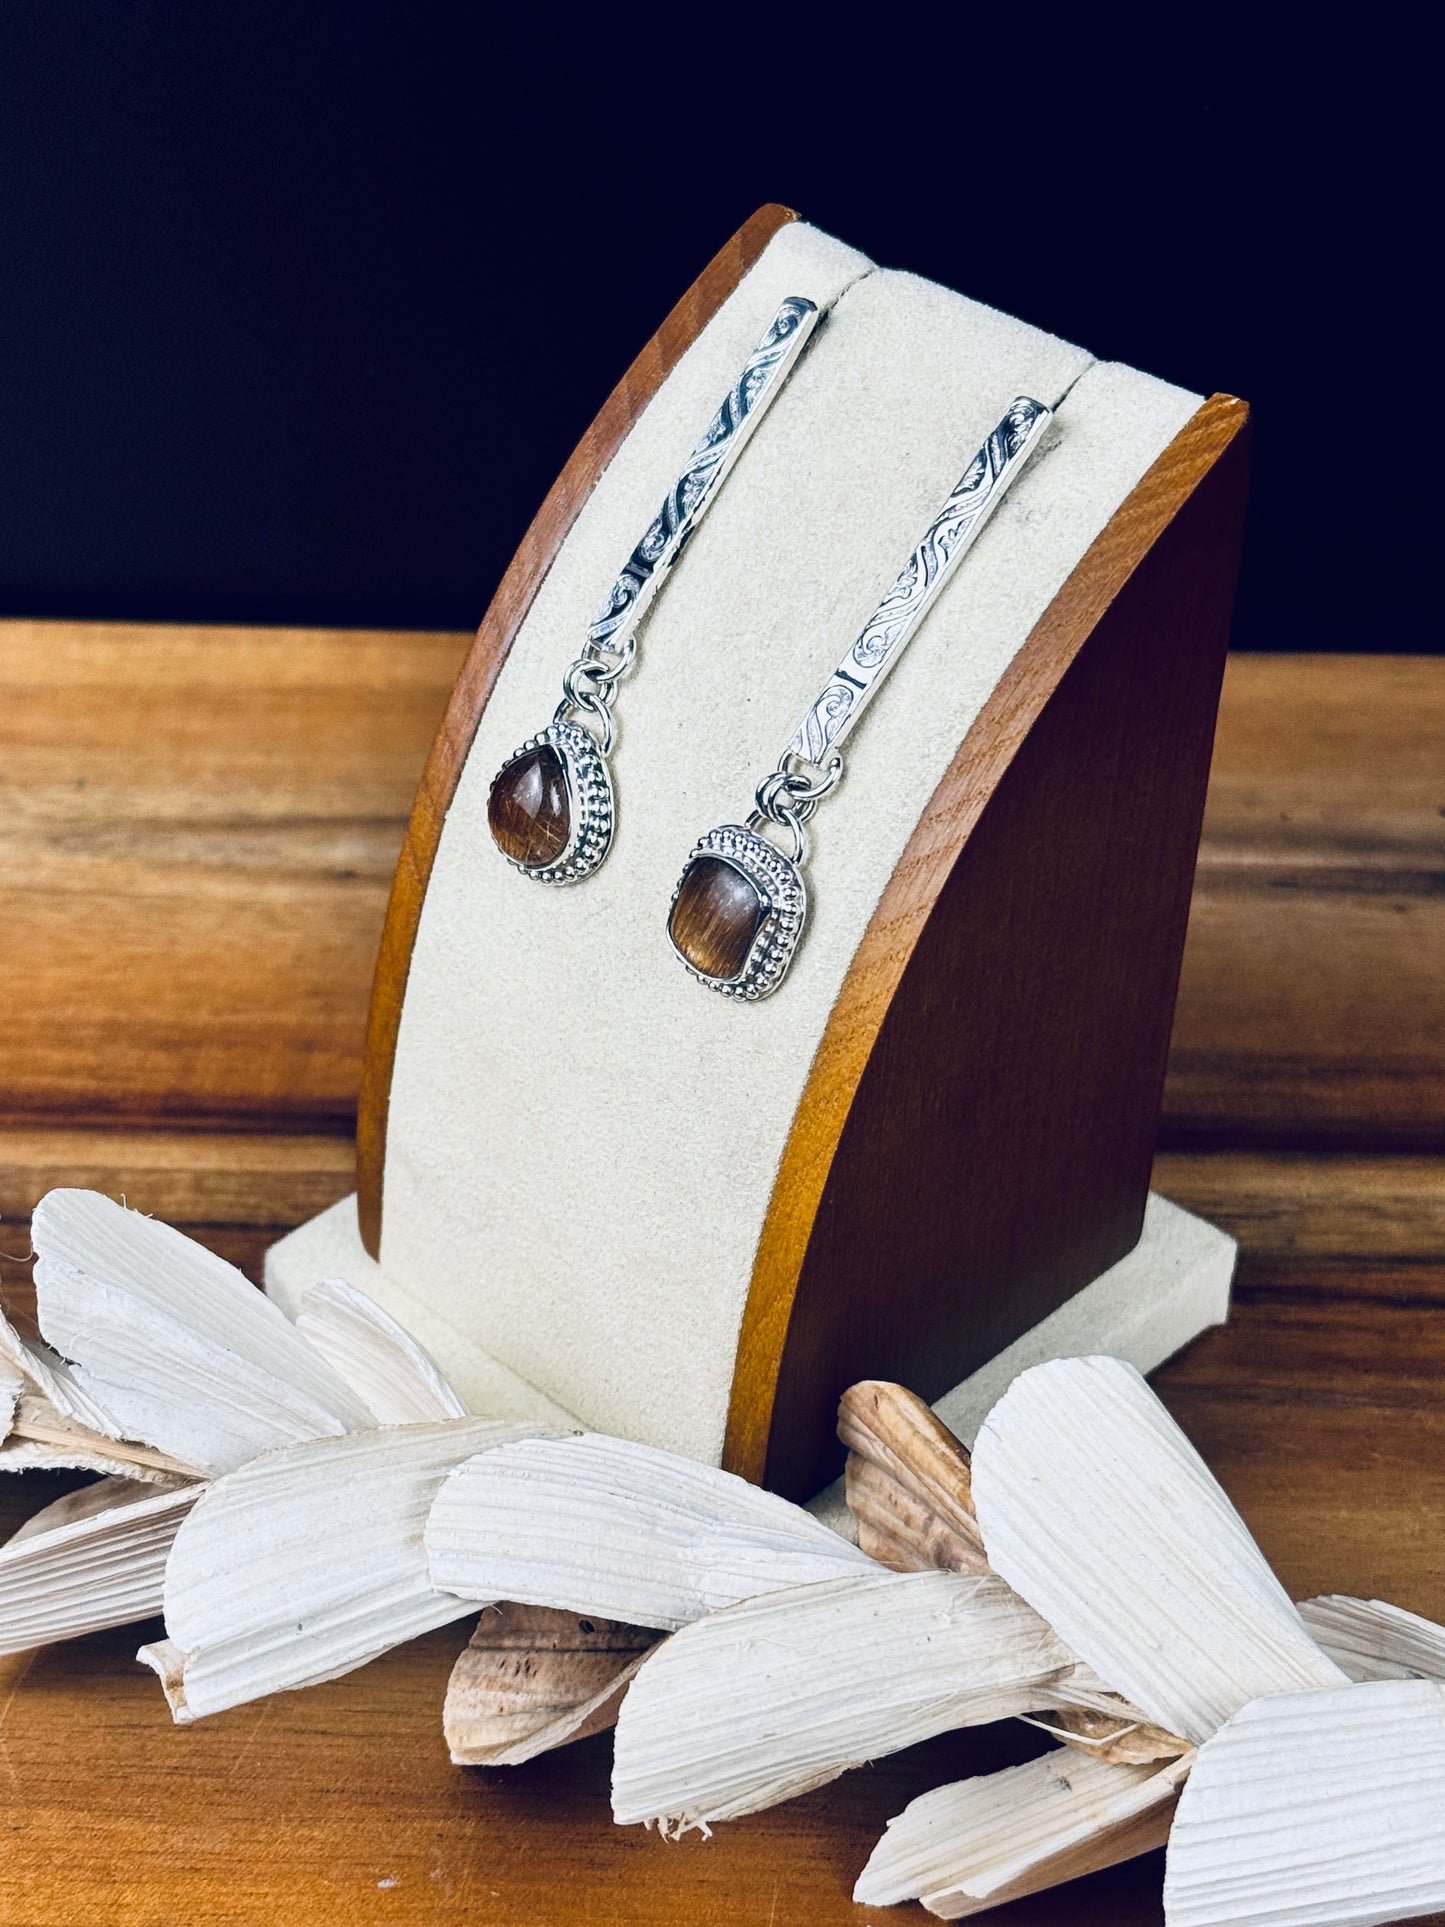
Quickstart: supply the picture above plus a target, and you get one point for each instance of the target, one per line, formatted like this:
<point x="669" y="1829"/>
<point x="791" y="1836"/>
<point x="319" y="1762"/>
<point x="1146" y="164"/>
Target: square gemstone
<point x="716" y="917"/>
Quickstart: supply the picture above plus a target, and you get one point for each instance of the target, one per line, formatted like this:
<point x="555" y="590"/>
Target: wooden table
<point x="198" y="831"/>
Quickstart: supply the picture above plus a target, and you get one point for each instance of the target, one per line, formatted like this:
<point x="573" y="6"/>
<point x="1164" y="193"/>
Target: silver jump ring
<point x="812" y="789"/>
<point x="581" y="685"/>
<point x="770" y="794"/>
<point x="590" y="703"/>
<point x="610" y="664"/>
<point x="780" y="817"/>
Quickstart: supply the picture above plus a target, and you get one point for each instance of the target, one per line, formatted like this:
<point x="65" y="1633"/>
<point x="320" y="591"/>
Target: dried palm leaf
<point x="46" y="1373"/>
<point x="908" y="1487"/>
<point x="173" y="1346"/>
<point x="308" y="1562"/>
<point x="378" y="1358"/>
<point x="1123" y="1738"/>
<point x="41" y="1437"/>
<point x="533" y="1678"/>
<point x="95" y="1558"/>
<point x="1371" y="1640"/>
<point x="907" y="1482"/>
<point x="980" y="1842"/>
<point x="763" y="1701"/>
<point x="622" y="1531"/>
<point x="12" y="1386"/>
<point x="1098" y="1511"/>
<point x="1318" y="1809"/>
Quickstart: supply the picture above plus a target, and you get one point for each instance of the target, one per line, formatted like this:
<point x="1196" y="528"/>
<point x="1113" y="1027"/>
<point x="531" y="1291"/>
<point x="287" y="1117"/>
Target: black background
<point x="302" y="307"/>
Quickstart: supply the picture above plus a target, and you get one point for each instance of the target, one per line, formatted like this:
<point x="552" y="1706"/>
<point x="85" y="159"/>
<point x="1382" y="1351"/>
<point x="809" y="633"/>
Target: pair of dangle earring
<point x="741" y="904"/>
<point x="552" y="807"/>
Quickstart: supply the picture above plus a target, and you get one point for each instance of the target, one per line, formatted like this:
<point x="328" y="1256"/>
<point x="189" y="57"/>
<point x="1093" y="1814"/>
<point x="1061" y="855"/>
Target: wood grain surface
<point x="1312" y="1007"/>
<point x="198" y="829"/>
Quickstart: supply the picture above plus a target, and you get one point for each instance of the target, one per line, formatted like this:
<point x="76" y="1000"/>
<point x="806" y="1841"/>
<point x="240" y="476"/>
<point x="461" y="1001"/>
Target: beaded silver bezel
<point x="591" y="806"/>
<point x="779" y="883"/>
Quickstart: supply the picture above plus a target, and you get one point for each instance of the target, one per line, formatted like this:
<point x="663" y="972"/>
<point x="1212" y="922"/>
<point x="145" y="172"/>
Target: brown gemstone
<point x="528" y="811"/>
<point x="716" y="917"/>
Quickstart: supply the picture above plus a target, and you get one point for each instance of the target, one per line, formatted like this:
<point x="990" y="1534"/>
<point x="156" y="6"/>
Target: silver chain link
<point x="788" y="796"/>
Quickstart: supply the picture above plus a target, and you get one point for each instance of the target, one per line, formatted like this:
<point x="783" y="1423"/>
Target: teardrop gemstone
<point x="529" y="811"/>
<point x="716" y="917"/>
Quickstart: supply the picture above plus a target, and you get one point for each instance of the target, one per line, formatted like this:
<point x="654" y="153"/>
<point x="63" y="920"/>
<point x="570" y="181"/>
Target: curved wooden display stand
<point x="974" y="1142"/>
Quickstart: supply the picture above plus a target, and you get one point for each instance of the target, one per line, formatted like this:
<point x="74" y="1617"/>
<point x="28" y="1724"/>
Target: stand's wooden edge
<point x="897" y="923"/>
<point x="479" y="673"/>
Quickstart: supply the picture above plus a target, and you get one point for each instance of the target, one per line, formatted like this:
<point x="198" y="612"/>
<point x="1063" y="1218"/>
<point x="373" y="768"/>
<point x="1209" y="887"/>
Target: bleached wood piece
<point x="1316" y="1809"/>
<point x="173" y="1346"/>
<point x="621" y="1531"/>
<point x="907" y="1482"/>
<point x="94" y="1558"/>
<point x="995" y="1838"/>
<point x="1372" y="1640"/>
<point x="532" y="1678"/>
<point x="378" y="1358"/>
<point x="308" y="1562"/>
<point x="762" y="1702"/>
<point x="1097" y="1510"/>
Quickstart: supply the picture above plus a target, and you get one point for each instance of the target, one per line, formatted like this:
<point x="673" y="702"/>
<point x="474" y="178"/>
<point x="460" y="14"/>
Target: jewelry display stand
<point x="593" y="1189"/>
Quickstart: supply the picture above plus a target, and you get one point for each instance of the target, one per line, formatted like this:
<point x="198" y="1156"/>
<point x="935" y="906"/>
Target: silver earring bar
<point x="741" y="904"/>
<point x="552" y="809"/>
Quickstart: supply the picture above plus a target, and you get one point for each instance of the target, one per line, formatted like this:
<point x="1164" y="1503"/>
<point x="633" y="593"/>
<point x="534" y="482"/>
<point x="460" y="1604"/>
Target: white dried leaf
<point x="980" y="1842"/>
<point x="383" y="1364"/>
<point x="46" y="1372"/>
<point x="1371" y="1640"/>
<point x="1318" y="1809"/>
<point x="20" y="1454"/>
<point x="174" y="1345"/>
<point x="780" y="1694"/>
<point x="309" y="1561"/>
<point x="621" y="1531"/>
<point x="94" y="1558"/>
<point x="1097" y="1510"/>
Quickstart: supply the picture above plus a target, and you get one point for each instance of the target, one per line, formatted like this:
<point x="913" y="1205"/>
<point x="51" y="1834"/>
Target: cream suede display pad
<point x="582" y="1141"/>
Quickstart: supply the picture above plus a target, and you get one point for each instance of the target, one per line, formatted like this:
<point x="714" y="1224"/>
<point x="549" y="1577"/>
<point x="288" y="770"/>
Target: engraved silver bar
<point x="955" y="528"/>
<point x="743" y="407"/>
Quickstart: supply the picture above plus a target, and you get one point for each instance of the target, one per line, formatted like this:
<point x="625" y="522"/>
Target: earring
<point x="551" y="808"/>
<point x="741" y="904"/>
